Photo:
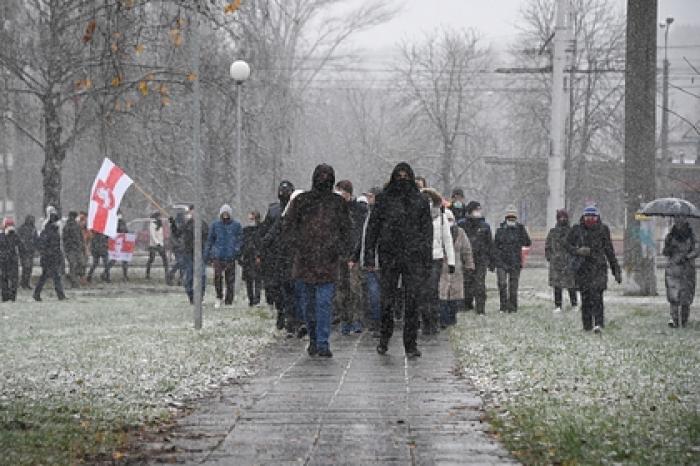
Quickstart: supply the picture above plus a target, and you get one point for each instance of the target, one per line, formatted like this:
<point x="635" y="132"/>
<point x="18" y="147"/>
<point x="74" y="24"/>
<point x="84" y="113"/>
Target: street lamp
<point x="240" y="72"/>
<point x="666" y="26"/>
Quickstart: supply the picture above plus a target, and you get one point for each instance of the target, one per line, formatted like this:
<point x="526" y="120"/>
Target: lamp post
<point x="665" y="162"/>
<point x="240" y="72"/>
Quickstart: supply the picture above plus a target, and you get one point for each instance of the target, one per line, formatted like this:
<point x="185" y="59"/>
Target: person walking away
<point x="400" y="229"/>
<point x="557" y="255"/>
<point x="443" y="251"/>
<point x="681" y="249"/>
<point x="250" y="260"/>
<point x="29" y="237"/>
<point x="177" y="246"/>
<point x="185" y="233"/>
<point x="121" y="228"/>
<point x="51" y="256"/>
<point x="511" y="238"/>
<point x="481" y="240"/>
<point x="452" y="284"/>
<point x="317" y="226"/>
<point x="74" y="249"/>
<point x="99" y="249"/>
<point x="590" y="241"/>
<point x="11" y="249"/>
<point x="348" y="298"/>
<point x="156" y="245"/>
<point x="222" y="250"/>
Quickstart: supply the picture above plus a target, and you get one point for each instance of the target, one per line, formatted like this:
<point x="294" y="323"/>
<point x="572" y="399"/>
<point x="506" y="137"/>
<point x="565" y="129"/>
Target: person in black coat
<point x="51" y="255"/>
<point x="511" y="238"/>
<point x="590" y="242"/>
<point x="11" y="249"/>
<point x="29" y="237"/>
<point x="74" y="248"/>
<point x="250" y="258"/>
<point x="400" y="229"/>
<point x="481" y="240"/>
<point x="99" y="249"/>
<point x="185" y="233"/>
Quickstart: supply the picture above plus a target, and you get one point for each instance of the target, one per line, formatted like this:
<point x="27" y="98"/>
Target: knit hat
<point x="226" y="209"/>
<point x="472" y="206"/>
<point x="591" y="210"/>
<point x="8" y="222"/>
<point x="50" y="210"/>
<point x="458" y="192"/>
<point x="511" y="211"/>
<point x="562" y="213"/>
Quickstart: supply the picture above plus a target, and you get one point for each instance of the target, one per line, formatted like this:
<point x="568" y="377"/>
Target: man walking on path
<point x="401" y="229"/>
<point x="185" y="232"/>
<point x="511" y="238"/>
<point x="318" y="228"/>
<point x="479" y="234"/>
<point x="29" y="238"/>
<point x="51" y="255"/>
<point x="222" y="249"/>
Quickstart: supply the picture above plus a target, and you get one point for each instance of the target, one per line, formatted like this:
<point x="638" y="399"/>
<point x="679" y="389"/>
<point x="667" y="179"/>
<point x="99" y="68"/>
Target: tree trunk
<point x="54" y="154"/>
<point x="446" y="167"/>
<point x="640" y="145"/>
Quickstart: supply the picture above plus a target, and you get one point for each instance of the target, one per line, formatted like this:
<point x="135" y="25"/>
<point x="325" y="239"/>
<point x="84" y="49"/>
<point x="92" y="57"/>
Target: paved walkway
<point x="356" y="408"/>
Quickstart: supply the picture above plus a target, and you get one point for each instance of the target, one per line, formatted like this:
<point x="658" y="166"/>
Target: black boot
<point x="685" y="313"/>
<point x="312" y="349"/>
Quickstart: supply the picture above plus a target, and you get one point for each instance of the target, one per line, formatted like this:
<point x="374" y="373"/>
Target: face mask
<point x="53" y="218"/>
<point x="589" y="221"/>
<point x="476" y="214"/>
<point x="457" y="205"/>
<point x="562" y="221"/>
<point x="511" y="223"/>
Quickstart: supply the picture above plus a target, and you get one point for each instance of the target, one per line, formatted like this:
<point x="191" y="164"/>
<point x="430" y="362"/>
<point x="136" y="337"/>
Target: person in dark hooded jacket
<point x="250" y="258"/>
<point x="223" y="249"/>
<point x="29" y="237"/>
<point x="99" y="249"/>
<point x="481" y="240"/>
<point x="74" y="249"/>
<point x="590" y="241"/>
<point x="680" y="247"/>
<point x="511" y="238"/>
<point x="11" y="249"/>
<point x="317" y="227"/>
<point x="185" y="234"/>
<point x="557" y="254"/>
<point x="51" y="255"/>
<point x="400" y="229"/>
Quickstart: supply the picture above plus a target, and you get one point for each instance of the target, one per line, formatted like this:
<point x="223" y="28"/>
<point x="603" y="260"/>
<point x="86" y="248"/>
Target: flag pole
<point x="150" y="198"/>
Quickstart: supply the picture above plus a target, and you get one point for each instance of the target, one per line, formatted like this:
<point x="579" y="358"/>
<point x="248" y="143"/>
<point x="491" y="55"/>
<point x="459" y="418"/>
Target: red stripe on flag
<point x="99" y="223"/>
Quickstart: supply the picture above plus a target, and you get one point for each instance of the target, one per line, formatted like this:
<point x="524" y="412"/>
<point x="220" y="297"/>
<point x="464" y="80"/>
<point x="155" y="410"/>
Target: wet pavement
<point x="356" y="408"/>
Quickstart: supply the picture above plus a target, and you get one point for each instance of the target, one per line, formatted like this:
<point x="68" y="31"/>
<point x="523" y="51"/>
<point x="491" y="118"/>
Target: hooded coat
<point x="28" y="235"/>
<point x="557" y="254"/>
<point x="50" y="245"/>
<point x="317" y="228"/>
<point x="680" y="247"/>
<point x="225" y="238"/>
<point x="593" y="273"/>
<point x="73" y="237"/>
<point x="508" y="245"/>
<point x="11" y="248"/>
<point x="400" y="227"/>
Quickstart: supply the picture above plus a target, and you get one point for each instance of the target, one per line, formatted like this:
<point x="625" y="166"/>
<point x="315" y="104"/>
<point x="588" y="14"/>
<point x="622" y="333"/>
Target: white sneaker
<point x="557" y="310"/>
<point x="597" y="329"/>
<point x="217" y="304"/>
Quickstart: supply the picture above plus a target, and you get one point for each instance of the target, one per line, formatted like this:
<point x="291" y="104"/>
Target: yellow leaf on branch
<point x="163" y="90"/>
<point x="192" y="77"/>
<point x="143" y="88"/>
<point x="139" y="49"/>
<point x="114" y="47"/>
<point x="232" y="7"/>
<point x="176" y="37"/>
<point x="165" y="101"/>
<point x="116" y="81"/>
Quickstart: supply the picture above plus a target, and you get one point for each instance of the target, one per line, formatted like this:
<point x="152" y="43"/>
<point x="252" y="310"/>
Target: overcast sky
<point x="495" y="19"/>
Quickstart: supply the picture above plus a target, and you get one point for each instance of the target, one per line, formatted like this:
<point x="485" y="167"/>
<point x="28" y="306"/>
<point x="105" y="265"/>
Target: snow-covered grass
<point x="557" y="394"/>
<point x="76" y="375"/>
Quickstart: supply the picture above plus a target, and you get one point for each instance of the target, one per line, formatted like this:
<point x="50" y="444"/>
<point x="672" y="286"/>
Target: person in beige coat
<point x="451" y="285"/>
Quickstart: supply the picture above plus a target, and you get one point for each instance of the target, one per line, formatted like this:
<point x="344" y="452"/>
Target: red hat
<point x="8" y="222"/>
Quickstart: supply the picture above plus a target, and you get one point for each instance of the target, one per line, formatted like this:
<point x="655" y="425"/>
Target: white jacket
<point x="156" y="236"/>
<point x="442" y="240"/>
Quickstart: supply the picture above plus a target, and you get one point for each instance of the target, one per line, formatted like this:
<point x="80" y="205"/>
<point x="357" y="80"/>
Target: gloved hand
<point x="451" y="269"/>
<point x="583" y="251"/>
<point x="618" y="275"/>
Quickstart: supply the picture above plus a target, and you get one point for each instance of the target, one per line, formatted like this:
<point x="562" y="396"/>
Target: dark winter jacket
<point x="680" y="247"/>
<point x="50" y="246"/>
<point x="358" y="215"/>
<point x="508" y="245"/>
<point x="28" y="236"/>
<point x="400" y="228"/>
<point x="479" y="234"/>
<point x="224" y="240"/>
<point x="11" y="248"/>
<point x="72" y="237"/>
<point x="185" y="233"/>
<point x="593" y="273"/>
<point x="250" y="252"/>
<point x="317" y="226"/>
<point x="557" y="254"/>
<point x="177" y="243"/>
<point x="99" y="245"/>
<point x="271" y="255"/>
<point x="121" y="226"/>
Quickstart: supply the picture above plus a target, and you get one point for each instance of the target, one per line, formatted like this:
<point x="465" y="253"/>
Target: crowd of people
<point x="326" y="256"/>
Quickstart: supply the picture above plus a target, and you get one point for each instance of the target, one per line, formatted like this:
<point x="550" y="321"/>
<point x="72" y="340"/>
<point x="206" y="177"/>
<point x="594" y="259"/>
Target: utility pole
<point x="197" y="169"/>
<point x="640" y="144"/>
<point x="665" y="159"/>
<point x="556" y="178"/>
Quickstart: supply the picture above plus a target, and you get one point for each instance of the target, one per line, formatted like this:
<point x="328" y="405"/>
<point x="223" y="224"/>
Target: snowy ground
<point x="121" y="353"/>
<point x="559" y="395"/>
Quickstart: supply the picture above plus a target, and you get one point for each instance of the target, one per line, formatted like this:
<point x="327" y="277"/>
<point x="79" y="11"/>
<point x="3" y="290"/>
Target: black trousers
<point x="253" y="286"/>
<point x="413" y="279"/>
<point x="225" y="270"/>
<point x="508" y="281"/>
<point x="9" y="277"/>
<point x="152" y="251"/>
<point x="430" y="300"/>
<point x="592" y="308"/>
<point x="27" y="266"/>
<point x="559" y="299"/>
<point x="105" y="264"/>
<point x="475" y="288"/>
<point x="52" y="271"/>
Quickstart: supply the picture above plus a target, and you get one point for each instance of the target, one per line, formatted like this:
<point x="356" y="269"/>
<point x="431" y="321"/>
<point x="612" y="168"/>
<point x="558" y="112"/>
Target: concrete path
<point x="356" y="408"/>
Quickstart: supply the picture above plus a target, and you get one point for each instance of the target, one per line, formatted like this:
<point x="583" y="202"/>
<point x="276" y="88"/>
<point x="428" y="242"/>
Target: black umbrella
<point x="671" y="207"/>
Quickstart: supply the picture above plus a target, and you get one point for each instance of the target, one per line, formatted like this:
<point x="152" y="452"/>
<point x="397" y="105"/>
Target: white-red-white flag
<point x="106" y="195"/>
<point x="121" y="247"/>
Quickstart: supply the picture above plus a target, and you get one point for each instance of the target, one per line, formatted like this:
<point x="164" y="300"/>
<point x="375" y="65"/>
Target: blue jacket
<point x="224" y="241"/>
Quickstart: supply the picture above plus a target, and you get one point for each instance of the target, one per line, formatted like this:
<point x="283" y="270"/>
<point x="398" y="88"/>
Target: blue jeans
<point x="188" y="262"/>
<point x="373" y="295"/>
<point x="319" y="309"/>
<point x="448" y="311"/>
